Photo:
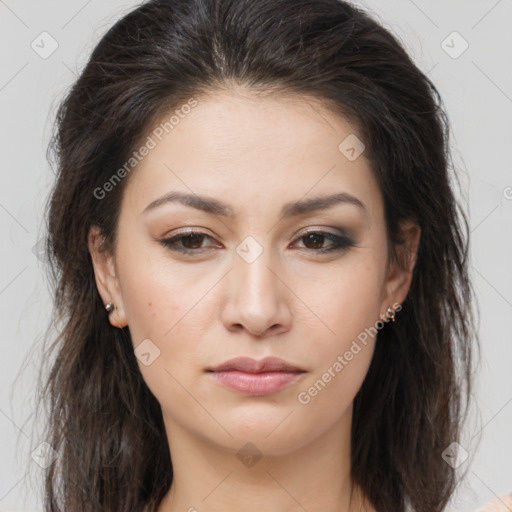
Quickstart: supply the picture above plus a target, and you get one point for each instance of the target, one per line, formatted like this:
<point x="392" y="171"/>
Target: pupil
<point x="316" y="239"/>
<point x="188" y="240"/>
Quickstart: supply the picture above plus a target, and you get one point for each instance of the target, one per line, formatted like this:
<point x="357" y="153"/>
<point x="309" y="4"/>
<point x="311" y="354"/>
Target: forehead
<point x="247" y="147"/>
<point x="240" y="121"/>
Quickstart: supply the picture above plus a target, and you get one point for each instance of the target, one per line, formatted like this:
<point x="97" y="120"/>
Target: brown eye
<point x="315" y="241"/>
<point x="188" y="243"/>
<point x="192" y="241"/>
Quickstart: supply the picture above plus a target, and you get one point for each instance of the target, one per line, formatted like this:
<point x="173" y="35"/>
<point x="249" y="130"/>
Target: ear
<point x="400" y="272"/>
<point x="106" y="276"/>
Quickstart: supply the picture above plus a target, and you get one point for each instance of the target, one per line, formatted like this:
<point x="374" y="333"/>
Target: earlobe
<point x="106" y="278"/>
<point x="114" y="316"/>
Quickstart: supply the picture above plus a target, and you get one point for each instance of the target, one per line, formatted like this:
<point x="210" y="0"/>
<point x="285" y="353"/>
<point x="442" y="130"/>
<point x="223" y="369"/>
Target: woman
<point x="260" y="268"/>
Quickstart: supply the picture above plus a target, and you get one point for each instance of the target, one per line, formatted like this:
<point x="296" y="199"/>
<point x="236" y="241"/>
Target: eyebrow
<point x="291" y="209"/>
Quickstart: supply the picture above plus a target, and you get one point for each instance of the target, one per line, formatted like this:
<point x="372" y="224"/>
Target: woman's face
<point x="257" y="176"/>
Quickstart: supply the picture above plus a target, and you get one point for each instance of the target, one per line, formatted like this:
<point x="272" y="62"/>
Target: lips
<point x="248" y="365"/>
<point x="250" y="377"/>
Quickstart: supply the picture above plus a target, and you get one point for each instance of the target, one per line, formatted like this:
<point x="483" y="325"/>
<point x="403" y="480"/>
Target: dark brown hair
<point x="103" y="420"/>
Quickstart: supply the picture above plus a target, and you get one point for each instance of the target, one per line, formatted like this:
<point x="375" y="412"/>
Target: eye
<point x="187" y="242"/>
<point x="315" y="240"/>
<point x="193" y="242"/>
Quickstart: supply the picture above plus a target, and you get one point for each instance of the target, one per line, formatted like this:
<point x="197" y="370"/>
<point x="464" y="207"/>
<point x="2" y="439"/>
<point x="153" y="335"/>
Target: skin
<point x="255" y="154"/>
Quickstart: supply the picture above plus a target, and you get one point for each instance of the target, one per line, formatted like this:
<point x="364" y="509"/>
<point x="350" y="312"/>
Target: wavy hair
<point x="103" y="420"/>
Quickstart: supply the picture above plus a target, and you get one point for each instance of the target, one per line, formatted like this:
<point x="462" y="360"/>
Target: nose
<point x="257" y="298"/>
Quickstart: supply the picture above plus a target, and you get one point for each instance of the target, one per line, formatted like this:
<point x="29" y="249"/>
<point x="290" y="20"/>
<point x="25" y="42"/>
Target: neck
<point x="213" y="478"/>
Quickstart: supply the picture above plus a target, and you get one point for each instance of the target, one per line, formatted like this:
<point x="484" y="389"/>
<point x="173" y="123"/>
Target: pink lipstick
<point x="252" y="377"/>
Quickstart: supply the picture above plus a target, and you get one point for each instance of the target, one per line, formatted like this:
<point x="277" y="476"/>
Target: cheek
<point x="344" y="302"/>
<point x="169" y="306"/>
<point x="341" y="355"/>
<point x="156" y="295"/>
<point x="346" y="307"/>
<point x="328" y="396"/>
<point x="156" y="303"/>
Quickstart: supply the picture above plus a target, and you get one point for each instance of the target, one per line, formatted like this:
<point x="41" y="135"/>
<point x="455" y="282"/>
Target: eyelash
<point x="340" y="242"/>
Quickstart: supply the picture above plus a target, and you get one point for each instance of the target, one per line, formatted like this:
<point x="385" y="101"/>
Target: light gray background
<point x="477" y="91"/>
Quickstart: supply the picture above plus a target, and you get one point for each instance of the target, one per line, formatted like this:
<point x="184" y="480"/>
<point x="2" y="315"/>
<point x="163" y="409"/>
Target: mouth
<point x="252" y="377"/>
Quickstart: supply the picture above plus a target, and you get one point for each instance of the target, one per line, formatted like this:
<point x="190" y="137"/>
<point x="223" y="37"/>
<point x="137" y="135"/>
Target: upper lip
<point x="249" y="365"/>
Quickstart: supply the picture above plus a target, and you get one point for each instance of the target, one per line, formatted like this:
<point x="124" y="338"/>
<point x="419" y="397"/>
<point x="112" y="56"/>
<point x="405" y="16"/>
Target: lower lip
<point x="263" y="383"/>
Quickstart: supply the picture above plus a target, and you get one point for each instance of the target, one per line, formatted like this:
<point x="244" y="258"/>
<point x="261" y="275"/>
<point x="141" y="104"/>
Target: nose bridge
<point x="252" y="271"/>
<point x="257" y="299"/>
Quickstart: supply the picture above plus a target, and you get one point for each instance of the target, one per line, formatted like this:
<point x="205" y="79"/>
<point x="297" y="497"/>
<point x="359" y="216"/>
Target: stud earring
<point x="390" y="314"/>
<point x="109" y="307"/>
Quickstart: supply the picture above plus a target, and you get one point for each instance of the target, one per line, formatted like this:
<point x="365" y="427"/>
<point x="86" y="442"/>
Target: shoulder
<point x="501" y="504"/>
